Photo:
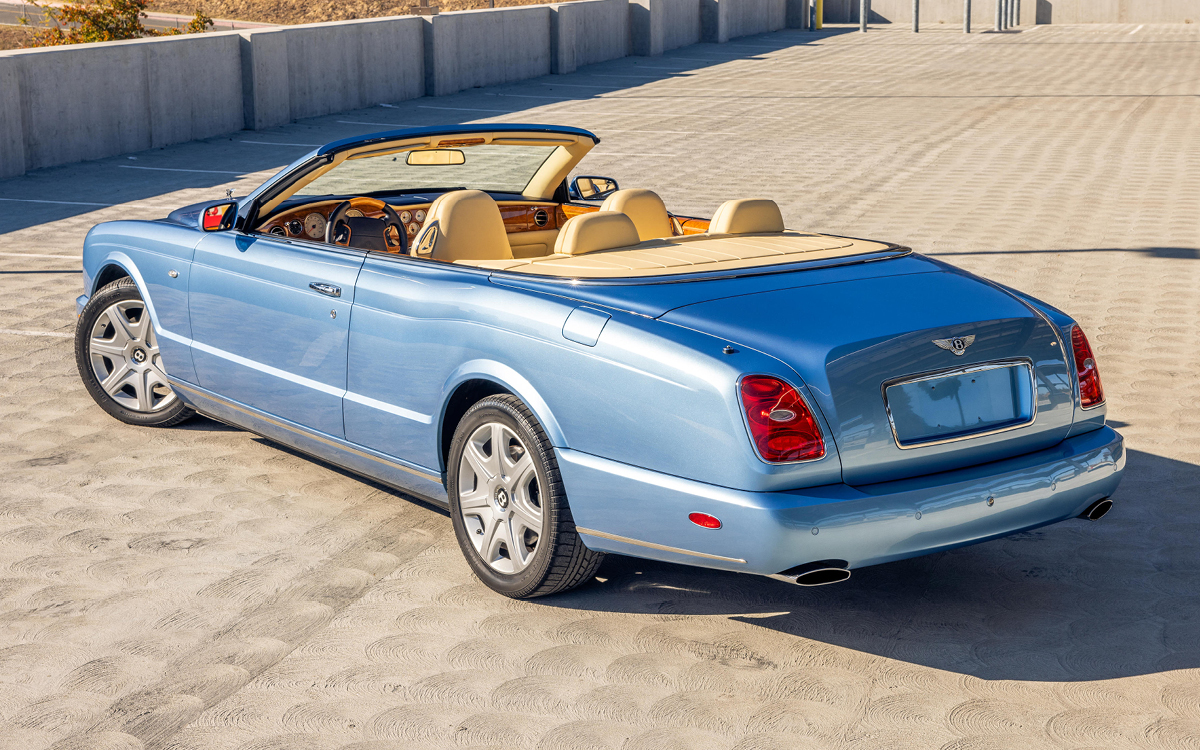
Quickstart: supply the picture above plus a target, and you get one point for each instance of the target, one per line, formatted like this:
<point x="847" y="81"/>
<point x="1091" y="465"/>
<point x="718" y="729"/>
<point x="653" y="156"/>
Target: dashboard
<point x="309" y="220"/>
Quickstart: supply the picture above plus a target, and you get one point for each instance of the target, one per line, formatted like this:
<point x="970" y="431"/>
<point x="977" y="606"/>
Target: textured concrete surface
<point x="201" y="588"/>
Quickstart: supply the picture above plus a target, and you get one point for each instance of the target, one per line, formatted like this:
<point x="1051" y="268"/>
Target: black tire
<point x="560" y="560"/>
<point x="167" y="411"/>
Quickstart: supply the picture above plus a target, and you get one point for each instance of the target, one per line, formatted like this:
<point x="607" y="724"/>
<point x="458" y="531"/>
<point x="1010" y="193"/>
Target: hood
<point x="866" y="349"/>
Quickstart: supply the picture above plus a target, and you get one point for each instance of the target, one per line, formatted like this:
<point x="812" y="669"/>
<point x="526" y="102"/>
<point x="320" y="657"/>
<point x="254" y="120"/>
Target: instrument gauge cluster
<point x="314" y="226"/>
<point x="295" y="228"/>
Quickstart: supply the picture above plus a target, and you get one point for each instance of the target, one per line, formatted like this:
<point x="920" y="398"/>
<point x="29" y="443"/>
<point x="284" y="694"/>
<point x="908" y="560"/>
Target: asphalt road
<point x="199" y="587"/>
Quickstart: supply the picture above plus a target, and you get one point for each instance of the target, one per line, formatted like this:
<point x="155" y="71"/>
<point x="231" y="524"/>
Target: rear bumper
<point x="631" y="511"/>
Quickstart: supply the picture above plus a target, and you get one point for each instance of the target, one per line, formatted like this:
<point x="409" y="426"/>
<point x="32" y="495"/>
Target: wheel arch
<point x="109" y="273"/>
<point x="478" y="379"/>
<point x="117" y="265"/>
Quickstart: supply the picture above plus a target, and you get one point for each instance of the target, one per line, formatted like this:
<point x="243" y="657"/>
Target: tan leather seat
<point x="588" y="233"/>
<point x="463" y="225"/>
<point x="746" y="217"/>
<point x="645" y="208"/>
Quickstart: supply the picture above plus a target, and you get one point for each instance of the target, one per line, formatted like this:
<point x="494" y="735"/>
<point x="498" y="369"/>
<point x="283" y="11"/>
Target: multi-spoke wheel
<point x="510" y="512"/>
<point x="116" y="351"/>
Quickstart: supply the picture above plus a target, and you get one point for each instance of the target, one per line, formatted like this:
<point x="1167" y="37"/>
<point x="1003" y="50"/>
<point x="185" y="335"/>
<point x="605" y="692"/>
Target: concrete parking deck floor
<point x="201" y="588"/>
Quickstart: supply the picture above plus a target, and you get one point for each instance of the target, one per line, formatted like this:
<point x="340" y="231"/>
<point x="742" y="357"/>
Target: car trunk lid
<point x="866" y="349"/>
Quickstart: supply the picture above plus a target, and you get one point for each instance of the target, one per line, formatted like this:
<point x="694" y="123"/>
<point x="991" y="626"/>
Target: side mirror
<point x="587" y="188"/>
<point x="219" y="217"/>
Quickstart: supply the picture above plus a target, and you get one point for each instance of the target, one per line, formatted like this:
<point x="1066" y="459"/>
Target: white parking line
<point x="39" y="255"/>
<point x="469" y="109"/>
<point x="383" y="124"/>
<point x="273" y="143"/>
<point x="57" y="203"/>
<point x="169" y="169"/>
<point x="52" y="334"/>
<point x="1139" y="28"/>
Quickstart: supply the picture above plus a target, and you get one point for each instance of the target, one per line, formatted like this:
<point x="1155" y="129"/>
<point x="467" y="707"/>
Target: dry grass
<point x="312" y="11"/>
<point x="13" y="37"/>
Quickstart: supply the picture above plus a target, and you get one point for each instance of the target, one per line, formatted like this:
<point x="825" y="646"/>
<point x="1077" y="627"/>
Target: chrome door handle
<point x="326" y="289"/>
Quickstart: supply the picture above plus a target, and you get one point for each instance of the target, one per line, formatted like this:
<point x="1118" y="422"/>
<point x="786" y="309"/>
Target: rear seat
<point x="755" y="216"/>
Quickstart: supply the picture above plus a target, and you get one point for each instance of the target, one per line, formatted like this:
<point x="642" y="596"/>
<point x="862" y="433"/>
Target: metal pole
<point x="820" y="14"/>
<point x="863" y="6"/>
<point x="966" y="16"/>
<point x="916" y="16"/>
<point x="1017" y="15"/>
<point x="999" y="15"/>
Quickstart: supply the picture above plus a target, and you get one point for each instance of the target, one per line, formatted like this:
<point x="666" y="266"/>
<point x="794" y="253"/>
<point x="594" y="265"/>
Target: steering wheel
<point x="337" y="230"/>
<point x="391" y="219"/>
<point x="340" y="229"/>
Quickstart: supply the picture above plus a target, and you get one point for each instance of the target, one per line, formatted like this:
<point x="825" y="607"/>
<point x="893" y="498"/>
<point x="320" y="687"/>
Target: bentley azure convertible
<point x="573" y="370"/>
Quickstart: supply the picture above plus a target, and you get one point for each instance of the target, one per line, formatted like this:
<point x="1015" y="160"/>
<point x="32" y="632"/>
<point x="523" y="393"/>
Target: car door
<point x="270" y="318"/>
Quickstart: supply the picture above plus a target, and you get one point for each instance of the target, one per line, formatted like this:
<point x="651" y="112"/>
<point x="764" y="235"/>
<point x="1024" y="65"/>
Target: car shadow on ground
<point x="1078" y="600"/>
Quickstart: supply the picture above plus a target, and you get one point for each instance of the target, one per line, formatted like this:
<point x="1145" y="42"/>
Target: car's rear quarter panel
<point x="648" y="394"/>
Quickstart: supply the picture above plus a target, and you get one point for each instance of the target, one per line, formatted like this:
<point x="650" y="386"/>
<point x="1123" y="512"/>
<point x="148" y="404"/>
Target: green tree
<point x="104" y="21"/>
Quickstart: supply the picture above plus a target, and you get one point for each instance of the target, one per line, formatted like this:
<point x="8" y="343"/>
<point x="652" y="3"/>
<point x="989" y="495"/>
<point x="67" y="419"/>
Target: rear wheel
<point x="116" y="351"/>
<point x="508" y="505"/>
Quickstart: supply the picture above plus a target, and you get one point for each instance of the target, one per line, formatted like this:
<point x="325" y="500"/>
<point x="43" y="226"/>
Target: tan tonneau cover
<point x="693" y="253"/>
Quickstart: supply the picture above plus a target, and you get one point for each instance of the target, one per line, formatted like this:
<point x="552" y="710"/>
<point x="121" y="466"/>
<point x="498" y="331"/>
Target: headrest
<point x="463" y="225"/>
<point x="746" y="217"/>
<point x="602" y="230"/>
<point x="645" y="208"/>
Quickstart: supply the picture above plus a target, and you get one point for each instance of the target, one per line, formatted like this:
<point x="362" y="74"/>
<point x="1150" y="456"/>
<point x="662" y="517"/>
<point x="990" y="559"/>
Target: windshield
<point x="505" y="169"/>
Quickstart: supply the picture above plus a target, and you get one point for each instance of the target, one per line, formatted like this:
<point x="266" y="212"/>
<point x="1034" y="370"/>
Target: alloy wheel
<point x="123" y="352"/>
<point x="500" y="498"/>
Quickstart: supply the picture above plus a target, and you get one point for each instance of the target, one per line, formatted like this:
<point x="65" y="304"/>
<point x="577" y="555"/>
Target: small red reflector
<point x="705" y="520"/>
<point x="1091" y="393"/>
<point x="781" y="425"/>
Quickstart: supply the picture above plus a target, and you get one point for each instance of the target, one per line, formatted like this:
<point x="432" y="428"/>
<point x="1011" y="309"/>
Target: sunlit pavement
<point x="199" y="587"/>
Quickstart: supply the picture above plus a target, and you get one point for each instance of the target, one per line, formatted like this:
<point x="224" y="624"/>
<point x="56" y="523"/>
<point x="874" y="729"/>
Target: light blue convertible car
<point x="572" y="369"/>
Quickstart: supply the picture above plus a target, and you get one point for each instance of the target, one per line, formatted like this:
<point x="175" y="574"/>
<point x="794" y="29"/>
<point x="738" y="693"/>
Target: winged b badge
<point x="957" y="345"/>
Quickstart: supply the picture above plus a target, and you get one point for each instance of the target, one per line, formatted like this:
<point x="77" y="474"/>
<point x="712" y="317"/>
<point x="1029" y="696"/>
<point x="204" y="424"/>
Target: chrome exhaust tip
<point x="819" y="573"/>
<point x="1097" y="510"/>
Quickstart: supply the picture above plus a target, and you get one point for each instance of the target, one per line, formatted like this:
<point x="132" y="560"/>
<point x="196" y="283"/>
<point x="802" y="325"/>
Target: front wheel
<point x="116" y="351"/>
<point x="508" y="506"/>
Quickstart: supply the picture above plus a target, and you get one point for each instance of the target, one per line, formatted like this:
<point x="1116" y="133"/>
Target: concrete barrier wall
<point x="983" y="12"/>
<point x="484" y="47"/>
<point x="933" y="12"/>
<point x="335" y="67"/>
<point x="89" y="101"/>
<point x="601" y="29"/>
<point x="680" y="23"/>
<point x="747" y="17"/>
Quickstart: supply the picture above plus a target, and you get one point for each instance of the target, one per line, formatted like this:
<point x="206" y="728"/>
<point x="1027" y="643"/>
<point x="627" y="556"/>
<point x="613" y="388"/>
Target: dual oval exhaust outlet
<point x="824" y="572"/>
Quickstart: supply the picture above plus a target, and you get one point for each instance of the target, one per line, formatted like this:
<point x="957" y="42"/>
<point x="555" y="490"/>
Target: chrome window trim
<point x="936" y="374"/>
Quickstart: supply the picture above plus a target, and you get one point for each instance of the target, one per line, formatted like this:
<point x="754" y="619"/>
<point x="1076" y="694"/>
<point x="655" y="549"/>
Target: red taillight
<point x="1091" y="393"/>
<point x="705" y="520"/>
<point x="781" y="425"/>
